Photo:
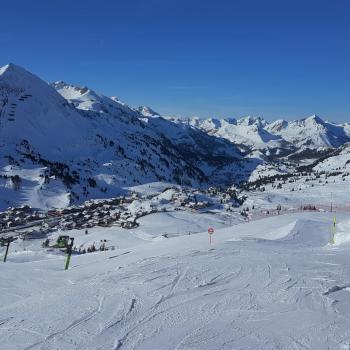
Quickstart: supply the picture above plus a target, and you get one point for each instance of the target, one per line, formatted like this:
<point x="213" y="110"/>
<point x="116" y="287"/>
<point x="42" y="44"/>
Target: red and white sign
<point x="210" y="230"/>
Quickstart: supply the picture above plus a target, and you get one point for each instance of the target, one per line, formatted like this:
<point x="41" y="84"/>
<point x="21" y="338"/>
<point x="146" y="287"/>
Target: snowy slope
<point x="338" y="162"/>
<point x="275" y="283"/>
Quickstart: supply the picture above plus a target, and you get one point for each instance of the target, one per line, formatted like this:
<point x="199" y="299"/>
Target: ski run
<point x="273" y="283"/>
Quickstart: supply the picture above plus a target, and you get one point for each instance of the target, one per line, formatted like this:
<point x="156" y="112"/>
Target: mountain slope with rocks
<point x="62" y="144"/>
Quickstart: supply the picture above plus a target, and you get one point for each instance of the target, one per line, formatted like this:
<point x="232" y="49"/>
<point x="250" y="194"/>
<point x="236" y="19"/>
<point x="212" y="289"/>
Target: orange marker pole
<point x="210" y="232"/>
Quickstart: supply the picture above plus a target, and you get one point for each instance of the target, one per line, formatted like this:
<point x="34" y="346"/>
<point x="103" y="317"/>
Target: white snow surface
<point x="274" y="283"/>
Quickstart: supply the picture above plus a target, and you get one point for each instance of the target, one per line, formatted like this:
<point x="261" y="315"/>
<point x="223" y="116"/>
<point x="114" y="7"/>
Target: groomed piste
<point x="274" y="283"/>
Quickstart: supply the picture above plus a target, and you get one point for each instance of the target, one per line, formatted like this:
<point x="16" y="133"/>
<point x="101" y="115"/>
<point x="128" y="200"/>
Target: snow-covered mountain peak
<point x="70" y="91"/>
<point x="212" y="123"/>
<point x="17" y="80"/>
<point x="13" y="69"/>
<point x="312" y="132"/>
<point x="249" y="120"/>
<point x="277" y="125"/>
<point x="232" y="121"/>
<point x="147" y="111"/>
<point x="15" y="74"/>
<point x="86" y="99"/>
<point x="3" y="69"/>
<point x="315" y="119"/>
<point x="34" y="114"/>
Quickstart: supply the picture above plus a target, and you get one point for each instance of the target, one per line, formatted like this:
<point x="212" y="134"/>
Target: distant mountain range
<point x="279" y="138"/>
<point x="63" y="144"/>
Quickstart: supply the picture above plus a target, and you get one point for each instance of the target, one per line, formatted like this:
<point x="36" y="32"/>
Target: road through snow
<point x="275" y="283"/>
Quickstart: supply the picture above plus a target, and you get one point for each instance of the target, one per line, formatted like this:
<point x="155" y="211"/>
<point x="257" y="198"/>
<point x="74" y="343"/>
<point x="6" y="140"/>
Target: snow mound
<point x="302" y="232"/>
<point x="289" y="230"/>
<point x="308" y="233"/>
<point x="342" y="235"/>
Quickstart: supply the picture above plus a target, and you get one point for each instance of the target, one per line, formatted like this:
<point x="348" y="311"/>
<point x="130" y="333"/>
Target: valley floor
<point x="274" y="283"/>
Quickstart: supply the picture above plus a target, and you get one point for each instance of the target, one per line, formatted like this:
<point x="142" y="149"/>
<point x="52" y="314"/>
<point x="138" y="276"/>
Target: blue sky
<point x="276" y="59"/>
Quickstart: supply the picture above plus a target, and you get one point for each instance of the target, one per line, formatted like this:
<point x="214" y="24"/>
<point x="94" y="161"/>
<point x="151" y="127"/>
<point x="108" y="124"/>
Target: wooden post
<point x="6" y="242"/>
<point x="7" y="250"/>
<point x="69" y="251"/>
